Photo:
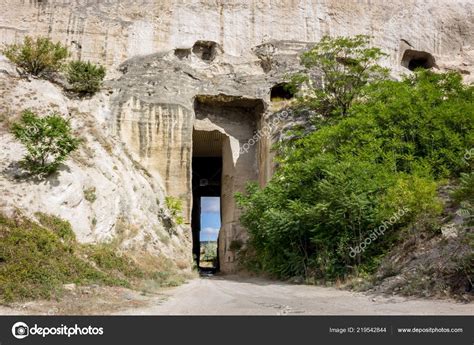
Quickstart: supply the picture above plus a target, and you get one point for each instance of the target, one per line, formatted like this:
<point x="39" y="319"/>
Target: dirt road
<point x="238" y="296"/>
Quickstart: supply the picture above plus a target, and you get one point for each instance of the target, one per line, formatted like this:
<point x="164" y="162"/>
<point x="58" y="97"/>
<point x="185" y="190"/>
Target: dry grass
<point x="38" y="259"/>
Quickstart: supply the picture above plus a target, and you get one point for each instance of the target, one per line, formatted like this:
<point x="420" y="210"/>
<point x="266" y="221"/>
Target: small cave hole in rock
<point x="182" y="53"/>
<point x="206" y="212"/>
<point x="413" y="59"/>
<point x="205" y="50"/>
<point x="281" y="92"/>
<point x="266" y="64"/>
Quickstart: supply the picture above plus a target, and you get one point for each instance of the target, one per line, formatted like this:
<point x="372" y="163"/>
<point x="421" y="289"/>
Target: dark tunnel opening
<point x="413" y="59"/>
<point x="206" y="186"/>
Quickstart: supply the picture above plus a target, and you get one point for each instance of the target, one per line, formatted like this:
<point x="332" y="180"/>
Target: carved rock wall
<point x="101" y="190"/>
<point x="162" y="54"/>
<point x="110" y="31"/>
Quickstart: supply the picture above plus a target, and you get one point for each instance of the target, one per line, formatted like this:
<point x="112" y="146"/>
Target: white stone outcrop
<point x="100" y="190"/>
<point x="112" y="31"/>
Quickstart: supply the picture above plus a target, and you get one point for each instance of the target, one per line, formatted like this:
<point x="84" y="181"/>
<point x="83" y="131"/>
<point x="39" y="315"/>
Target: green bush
<point x="48" y="141"/>
<point x="175" y="206"/>
<point x="90" y="194"/>
<point x="37" y="56"/>
<point x="336" y="186"/>
<point x="209" y="251"/>
<point x="106" y="258"/>
<point x="344" y="65"/>
<point x="60" y="227"/>
<point x="85" y="77"/>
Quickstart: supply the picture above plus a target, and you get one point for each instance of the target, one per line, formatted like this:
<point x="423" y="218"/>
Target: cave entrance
<point x="206" y="186"/>
<point x="413" y="59"/>
<point x="281" y="92"/>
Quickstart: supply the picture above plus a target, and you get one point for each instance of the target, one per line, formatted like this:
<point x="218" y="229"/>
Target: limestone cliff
<point x="189" y="76"/>
<point x="112" y="31"/>
<point x="101" y="190"/>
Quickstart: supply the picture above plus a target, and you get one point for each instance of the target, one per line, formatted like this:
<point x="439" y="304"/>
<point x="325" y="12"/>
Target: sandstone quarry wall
<point x="110" y="31"/>
<point x="162" y="55"/>
<point x="101" y="190"/>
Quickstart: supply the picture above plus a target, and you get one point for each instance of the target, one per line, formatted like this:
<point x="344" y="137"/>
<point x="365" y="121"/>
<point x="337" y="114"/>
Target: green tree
<point x="337" y="185"/>
<point x="37" y="56"/>
<point x="209" y="251"/>
<point x="85" y="77"/>
<point x="48" y="141"/>
<point x="336" y="70"/>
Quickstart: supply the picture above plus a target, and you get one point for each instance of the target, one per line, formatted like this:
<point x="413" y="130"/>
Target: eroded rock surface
<point x="112" y="31"/>
<point x="179" y="66"/>
<point x="101" y="189"/>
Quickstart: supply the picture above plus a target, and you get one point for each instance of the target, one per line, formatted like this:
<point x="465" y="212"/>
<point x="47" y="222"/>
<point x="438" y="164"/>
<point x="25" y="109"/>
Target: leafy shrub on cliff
<point x="335" y="187"/>
<point x="85" y="77"/>
<point x="175" y="206"/>
<point x="48" y="141"/>
<point x="345" y="65"/>
<point x="37" y="56"/>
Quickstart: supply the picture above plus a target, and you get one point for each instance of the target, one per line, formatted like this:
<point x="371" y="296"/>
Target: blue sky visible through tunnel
<point x="210" y="218"/>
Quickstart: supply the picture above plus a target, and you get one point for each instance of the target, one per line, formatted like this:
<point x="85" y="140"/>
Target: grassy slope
<point x="37" y="259"/>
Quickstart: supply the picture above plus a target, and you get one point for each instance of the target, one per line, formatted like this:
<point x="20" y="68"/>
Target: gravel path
<point x="251" y="296"/>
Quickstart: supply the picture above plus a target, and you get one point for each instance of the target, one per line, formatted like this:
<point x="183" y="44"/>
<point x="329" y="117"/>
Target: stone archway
<point x="234" y="120"/>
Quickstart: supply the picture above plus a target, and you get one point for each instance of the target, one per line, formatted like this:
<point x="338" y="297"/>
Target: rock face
<point x="160" y="100"/>
<point x="113" y="31"/>
<point x="179" y="70"/>
<point x="100" y="190"/>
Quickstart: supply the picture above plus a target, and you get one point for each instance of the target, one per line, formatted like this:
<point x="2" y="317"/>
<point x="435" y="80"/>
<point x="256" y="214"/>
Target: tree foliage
<point x="48" y="141"/>
<point x="337" y="185"/>
<point x="208" y="251"/>
<point x="337" y="69"/>
<point x="37" y="56"/>
<point x="85" y="77"/>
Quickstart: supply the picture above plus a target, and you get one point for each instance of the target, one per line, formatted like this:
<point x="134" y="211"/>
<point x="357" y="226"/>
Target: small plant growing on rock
<point x="48" y="141"/>
<point x="89" y="194"/>
<point x="175" y="206"/>
<point x="37" y="56"/>
<point x="85" y="77"/>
